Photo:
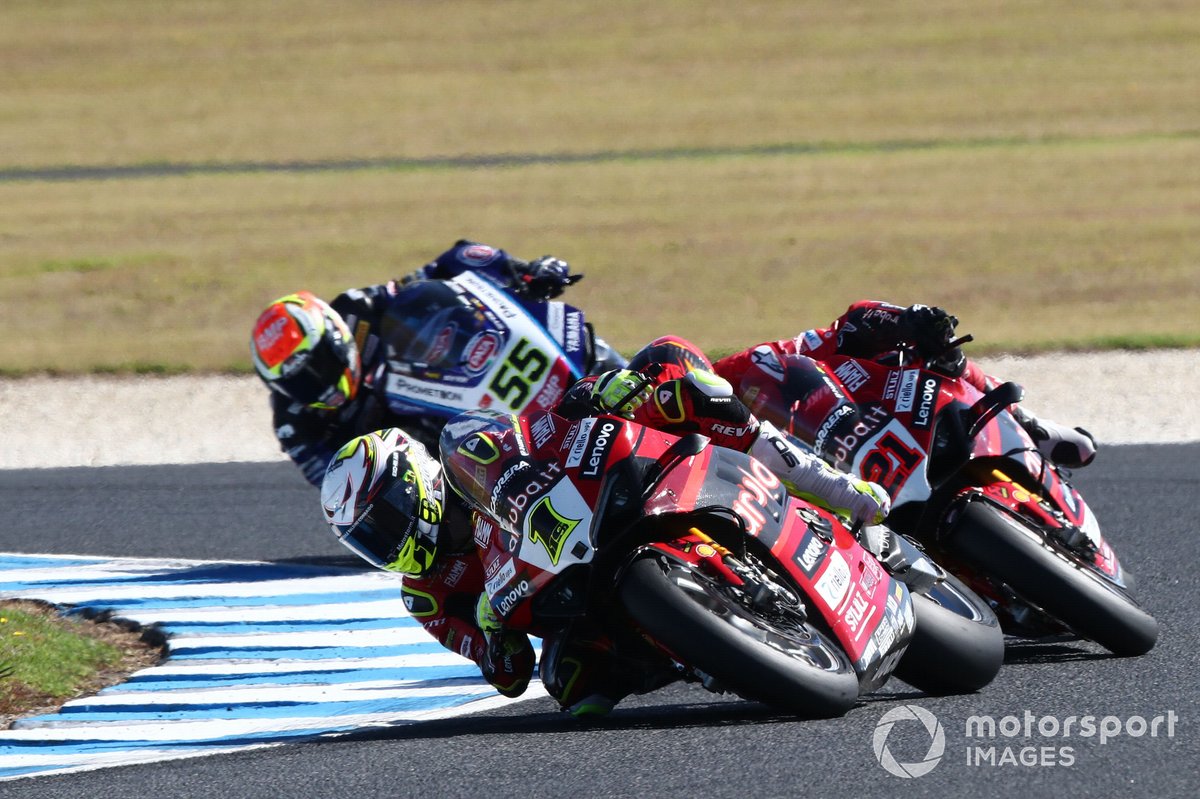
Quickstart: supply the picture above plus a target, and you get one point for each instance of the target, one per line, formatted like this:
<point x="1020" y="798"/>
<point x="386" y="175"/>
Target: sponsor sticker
<point x="503" y="577"/>
<point x="542" y="430"/>
<point x="892" y="384"/>
<point x="574" y="337"/>
<point x="852" y="375"/>
<point x="811" y="553"/>
<point x="480" y="352"/>
<point x="834" y="581"/>
<point x="582" y="433"/>
<point x="441" y="345"/>
<point x="597" y="449"/>
<point x="871" y="575"/>
<point x="477" y="255"/>
<point x="908" y="390"/>
<point x="926" y="402"/>
<point x="858" y="613"/>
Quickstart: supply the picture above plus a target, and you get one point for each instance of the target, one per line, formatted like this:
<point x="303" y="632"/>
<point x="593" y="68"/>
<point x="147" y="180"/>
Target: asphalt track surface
<point x="681" y="741"/>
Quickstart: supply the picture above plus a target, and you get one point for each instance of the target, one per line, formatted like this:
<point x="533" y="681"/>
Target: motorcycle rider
<point x="868" y="329"/>
<point x="324" y="362"/>
<point x="386" y="499"/>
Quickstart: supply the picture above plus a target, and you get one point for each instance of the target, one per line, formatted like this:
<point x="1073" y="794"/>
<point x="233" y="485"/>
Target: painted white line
<point x="275" y="666"/>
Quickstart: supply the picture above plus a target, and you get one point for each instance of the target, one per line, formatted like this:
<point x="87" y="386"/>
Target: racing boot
<point x="584" y="673"/>
<point x="810" y="478"/>
<point x="1070" y="447"/>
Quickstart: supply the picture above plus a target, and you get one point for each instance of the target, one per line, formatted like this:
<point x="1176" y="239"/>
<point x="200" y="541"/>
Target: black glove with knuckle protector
<point x="544" y="278"/>
<point x="930" y="329"/>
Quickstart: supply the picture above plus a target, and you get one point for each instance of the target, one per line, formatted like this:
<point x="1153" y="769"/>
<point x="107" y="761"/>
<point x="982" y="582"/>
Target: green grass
<point x="733" y="172"/>
<point x="47" y="658"/>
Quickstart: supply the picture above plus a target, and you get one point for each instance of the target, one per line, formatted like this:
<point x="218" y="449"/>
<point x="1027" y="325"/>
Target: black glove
<point x="544" y="278"/>
<point x="930" y="330"/>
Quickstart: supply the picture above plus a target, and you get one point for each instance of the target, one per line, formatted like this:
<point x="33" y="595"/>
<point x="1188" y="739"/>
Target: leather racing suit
<point x="582" y="670"/>
<point x="311" y="436"/>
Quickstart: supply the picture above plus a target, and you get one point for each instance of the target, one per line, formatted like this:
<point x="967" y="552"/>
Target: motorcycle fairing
<point x="482" y="348"/>
<point x="1064" y="510"/>
<point x="895" y="459"/>
<point x="869" y="612"/>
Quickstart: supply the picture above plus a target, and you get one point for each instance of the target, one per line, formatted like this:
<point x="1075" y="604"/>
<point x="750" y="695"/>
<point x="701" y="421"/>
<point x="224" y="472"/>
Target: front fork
<point x="759" y="588"/>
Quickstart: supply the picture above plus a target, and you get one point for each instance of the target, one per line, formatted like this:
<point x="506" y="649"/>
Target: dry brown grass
<point x="126" y="81"/>
<point x="1089" y="235"/>
<point x="1026" y="244"/>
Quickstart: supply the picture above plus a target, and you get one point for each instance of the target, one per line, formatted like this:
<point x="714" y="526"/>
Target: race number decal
<point x="895" y="460"/>
<point x="550" y="528"/>
<point x="523" y="369"/>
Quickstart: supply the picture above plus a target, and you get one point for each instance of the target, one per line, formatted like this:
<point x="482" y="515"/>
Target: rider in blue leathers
<point x="325" y="363"/>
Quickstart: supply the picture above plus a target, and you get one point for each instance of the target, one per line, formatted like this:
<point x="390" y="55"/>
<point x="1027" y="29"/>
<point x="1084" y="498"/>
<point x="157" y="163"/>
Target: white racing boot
<point x="1066" y="446"/>
<point x="810" y="478"/>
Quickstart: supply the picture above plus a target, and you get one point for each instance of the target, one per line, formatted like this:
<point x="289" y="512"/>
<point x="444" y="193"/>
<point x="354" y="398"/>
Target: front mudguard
<point x="877" y="654"/>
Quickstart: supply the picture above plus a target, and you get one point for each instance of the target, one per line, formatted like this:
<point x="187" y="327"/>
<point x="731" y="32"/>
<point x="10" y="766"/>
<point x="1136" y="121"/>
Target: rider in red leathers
<point x="779" y="375"/>
<point x="386" y="499"/>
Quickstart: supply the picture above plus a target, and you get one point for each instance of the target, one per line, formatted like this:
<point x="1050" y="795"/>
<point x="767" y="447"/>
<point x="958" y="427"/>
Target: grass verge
<point x="47" y="658"/>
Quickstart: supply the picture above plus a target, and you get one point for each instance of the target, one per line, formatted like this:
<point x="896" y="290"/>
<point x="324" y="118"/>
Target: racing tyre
<point x="1012" y="551"/>
<point x="703" y="624"/>
<point x="957" y="646"/>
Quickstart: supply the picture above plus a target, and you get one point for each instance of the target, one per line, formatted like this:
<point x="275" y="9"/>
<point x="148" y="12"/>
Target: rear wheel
<point x="709" y="626"/>
<point x="1007" y="548"/>
<point x="957" y="646"/>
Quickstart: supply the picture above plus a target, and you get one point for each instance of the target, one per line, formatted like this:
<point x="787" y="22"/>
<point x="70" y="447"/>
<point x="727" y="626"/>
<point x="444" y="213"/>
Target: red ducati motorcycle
<point x="692" y="559"/>
<point x="968" y="483"/>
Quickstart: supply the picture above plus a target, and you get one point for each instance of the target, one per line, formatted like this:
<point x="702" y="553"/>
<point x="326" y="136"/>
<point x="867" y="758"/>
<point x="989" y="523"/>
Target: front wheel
<point x="1007" y="548"/>
<point x="957" y="645"/>
<point x="706" y="624"/>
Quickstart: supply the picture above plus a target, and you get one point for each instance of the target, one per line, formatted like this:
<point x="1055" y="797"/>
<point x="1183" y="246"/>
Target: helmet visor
<point x="386" y="535"/>
<point x="318" y="376"/>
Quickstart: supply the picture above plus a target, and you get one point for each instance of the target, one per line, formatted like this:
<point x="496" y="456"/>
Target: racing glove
<point x="509" y="659"/>
<point x="811" y="479"/>
<point x="620" y="392"/>
<point x="544" y="278"/>
<point x="930" y="329"/>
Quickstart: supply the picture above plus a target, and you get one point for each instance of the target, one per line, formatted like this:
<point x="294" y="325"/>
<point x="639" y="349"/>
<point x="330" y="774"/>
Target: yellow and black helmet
<point x="383" y="498"/>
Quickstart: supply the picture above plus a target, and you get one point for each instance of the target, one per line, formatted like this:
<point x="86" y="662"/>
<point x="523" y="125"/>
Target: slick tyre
<point x="957" y="646"/>
<point x="1009" y="549"/>
<point x="703" y="625"/>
